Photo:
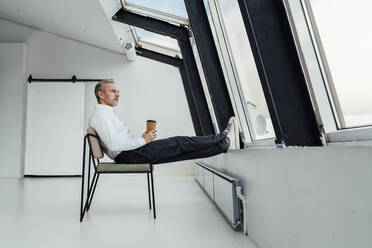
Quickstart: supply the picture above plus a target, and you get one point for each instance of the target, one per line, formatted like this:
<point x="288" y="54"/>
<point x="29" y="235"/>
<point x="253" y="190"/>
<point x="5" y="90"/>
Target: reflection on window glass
<point x="344" y="29"/>
<point x="260" y="122"/>
<point x="174" y="7"/>
<point x="157" y="39"/>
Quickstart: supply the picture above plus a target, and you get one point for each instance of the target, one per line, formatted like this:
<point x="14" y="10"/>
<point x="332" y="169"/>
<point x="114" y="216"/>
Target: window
<point x="166" y="10"/>
<point x="173" y="7"/>
<point x="240" y="69"/>
<point x="156" y="42"/>
<point x="335" y="42"/>
<point x="173" y="11"/>
<point x="346" y="44"/>
<point x="245" y="69"/>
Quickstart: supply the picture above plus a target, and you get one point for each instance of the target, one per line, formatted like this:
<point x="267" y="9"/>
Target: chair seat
<point x="122" y="168"/>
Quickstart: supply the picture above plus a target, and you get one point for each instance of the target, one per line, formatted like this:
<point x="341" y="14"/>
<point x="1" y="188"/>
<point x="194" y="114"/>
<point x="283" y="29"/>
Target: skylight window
<point x="156" y="42"/>
<point x="172" y="7"/>
<point x="171" y="11"/>
<point x="156" y="39"/>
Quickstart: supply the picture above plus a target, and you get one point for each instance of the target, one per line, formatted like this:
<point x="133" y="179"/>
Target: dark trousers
<point x="174" y="149"/>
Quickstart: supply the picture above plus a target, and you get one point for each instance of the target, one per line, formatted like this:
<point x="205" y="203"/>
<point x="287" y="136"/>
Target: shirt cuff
<point x="141" y="141"/>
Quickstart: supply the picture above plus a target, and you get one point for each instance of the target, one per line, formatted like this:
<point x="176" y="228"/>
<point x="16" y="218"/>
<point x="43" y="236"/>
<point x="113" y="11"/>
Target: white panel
<point x="223" y="195"/>
<point x="54" y="136"/>
<point x="12" y="101"/>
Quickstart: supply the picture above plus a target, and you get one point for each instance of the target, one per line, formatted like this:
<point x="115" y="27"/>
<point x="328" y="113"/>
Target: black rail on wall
<point x="73" y="79"/>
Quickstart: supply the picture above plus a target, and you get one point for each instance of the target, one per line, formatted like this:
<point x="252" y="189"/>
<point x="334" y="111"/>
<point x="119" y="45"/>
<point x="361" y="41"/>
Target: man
<point x="124" y="148"/>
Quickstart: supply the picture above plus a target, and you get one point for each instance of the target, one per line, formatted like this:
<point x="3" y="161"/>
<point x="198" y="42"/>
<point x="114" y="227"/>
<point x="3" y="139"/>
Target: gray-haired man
<point x="121" y="146"/>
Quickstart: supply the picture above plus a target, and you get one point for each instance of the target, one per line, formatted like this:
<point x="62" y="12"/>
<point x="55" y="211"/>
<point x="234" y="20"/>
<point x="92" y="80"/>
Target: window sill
<point x="269" y="143"/>
<point x="350" y="135"/>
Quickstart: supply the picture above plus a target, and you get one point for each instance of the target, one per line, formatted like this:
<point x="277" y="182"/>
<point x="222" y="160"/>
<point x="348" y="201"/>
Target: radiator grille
<point x="221" y="189"/>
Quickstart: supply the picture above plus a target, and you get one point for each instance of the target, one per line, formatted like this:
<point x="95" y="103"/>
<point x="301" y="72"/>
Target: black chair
<point x="95" y="153"/>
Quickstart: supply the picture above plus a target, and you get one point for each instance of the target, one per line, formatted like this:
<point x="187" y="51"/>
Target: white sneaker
<point x="232" y="131"/>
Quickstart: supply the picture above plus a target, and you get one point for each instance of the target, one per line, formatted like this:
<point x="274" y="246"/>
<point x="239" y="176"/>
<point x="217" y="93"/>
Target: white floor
<point x="45" y="213"/>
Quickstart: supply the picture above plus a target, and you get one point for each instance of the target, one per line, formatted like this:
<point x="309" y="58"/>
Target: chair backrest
<point x="94" y="144"/>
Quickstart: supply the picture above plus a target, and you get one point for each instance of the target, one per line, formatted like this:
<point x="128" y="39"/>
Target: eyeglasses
<point x="115" y="91"/>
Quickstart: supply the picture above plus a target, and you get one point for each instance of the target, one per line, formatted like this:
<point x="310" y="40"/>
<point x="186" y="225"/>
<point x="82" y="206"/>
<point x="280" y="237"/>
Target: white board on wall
<point x="54" y="128"/>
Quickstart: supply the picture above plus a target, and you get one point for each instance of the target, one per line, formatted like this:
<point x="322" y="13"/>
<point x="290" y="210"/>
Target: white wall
<point x="305" y="197"/>
<point x="12" y="108"/>
<point x="149" y="90"/>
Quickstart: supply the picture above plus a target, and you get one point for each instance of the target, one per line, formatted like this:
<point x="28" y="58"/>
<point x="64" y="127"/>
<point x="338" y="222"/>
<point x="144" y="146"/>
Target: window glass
<point x="344" y="30"/>
<point x="245" y="69"/>
<point x="156" y="39"/>
<point x="174" y="7"/>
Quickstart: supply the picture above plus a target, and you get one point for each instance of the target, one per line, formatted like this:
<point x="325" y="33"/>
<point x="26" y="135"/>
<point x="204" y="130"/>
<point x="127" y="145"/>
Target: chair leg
<point x="94" y="190"/>
<point x="148" y="190"/>
<point x="82" y="184"/>
<point x="153" y="195"/>
<point x="82" y="198"/>
<point x="88" y="179"/>
<point x="89" y="193"/>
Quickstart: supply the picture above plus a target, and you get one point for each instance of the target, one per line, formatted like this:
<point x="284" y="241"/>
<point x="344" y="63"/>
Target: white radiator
<point x="225" y="192"/>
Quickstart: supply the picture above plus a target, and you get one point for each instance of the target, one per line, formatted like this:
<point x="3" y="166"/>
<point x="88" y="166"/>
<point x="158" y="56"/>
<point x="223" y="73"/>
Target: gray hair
<point x="100" y="85"/>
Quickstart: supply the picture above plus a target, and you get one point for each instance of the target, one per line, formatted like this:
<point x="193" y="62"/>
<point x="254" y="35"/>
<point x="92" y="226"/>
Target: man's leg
<point x="202" y="153"/>
<point x="176" y="149"/>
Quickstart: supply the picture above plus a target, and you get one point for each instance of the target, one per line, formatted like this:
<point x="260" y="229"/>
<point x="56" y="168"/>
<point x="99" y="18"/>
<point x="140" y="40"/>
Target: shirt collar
<point x="99" y="106"/>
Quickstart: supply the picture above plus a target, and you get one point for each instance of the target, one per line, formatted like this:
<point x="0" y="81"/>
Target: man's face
<point x="110" y="95"/>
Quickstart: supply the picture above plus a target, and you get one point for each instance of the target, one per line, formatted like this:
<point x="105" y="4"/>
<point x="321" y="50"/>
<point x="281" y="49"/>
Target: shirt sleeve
<point x="114" y="134"/>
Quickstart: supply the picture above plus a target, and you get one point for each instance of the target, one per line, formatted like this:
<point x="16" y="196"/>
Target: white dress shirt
<point x="113" y="133"/>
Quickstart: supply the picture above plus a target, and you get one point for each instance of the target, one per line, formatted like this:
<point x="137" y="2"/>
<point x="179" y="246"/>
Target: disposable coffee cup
<point x="150" y="125"/>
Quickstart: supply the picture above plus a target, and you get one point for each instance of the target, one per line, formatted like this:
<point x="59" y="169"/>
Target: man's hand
<point x="149" y="136"/>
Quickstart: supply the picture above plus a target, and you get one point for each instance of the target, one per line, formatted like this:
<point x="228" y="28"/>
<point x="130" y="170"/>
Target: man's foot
<point x="227" y="144"/>
<point x="231" y="134"/>
<point x="229" y="125"/>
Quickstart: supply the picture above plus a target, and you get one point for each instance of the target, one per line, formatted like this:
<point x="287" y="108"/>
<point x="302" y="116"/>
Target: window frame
<point x="238" y="80"/>
<point x="323" y="64"/>
<point x="152" y="46"/>
<point x="235" y="97"/>
<point x="329" y="116"/>
<point x="173" y="19"/>
<point x="231" y="76"/>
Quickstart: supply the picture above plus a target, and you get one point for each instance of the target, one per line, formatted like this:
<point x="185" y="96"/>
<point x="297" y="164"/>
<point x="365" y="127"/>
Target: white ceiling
<point x="88" y="21"/>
